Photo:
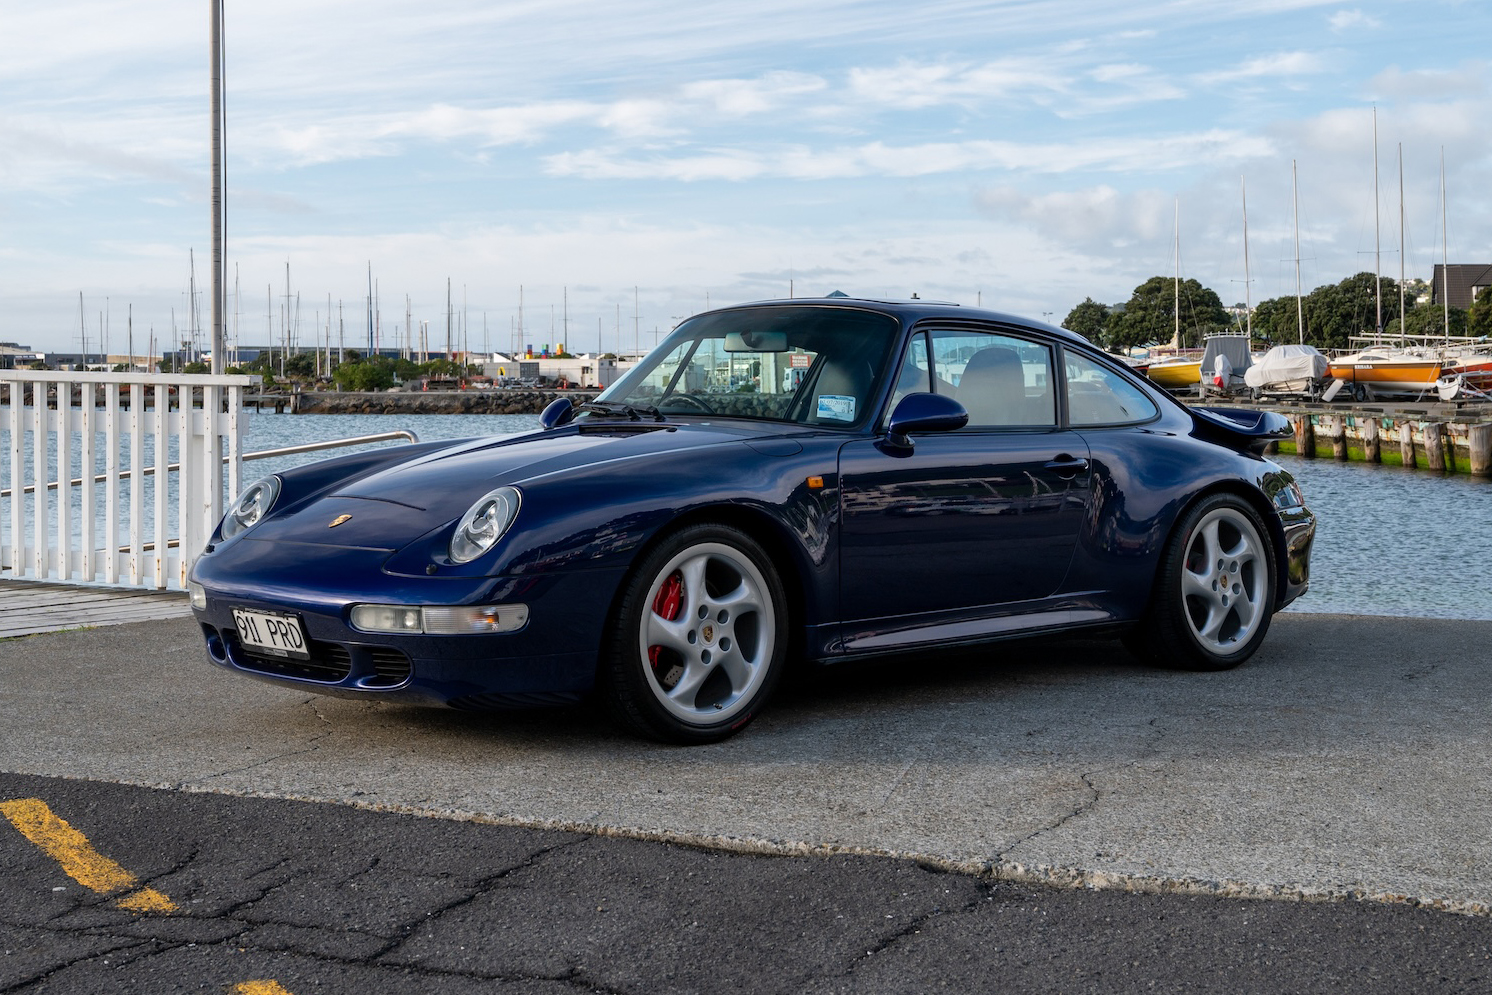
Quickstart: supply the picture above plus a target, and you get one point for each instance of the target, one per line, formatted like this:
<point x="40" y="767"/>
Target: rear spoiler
<point x="1240" y="429"/>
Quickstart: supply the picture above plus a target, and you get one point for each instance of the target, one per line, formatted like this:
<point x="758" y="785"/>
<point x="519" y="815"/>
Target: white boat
<point x="1288" y="369"/>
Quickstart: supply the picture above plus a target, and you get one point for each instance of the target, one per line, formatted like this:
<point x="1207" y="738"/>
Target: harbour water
<point x="1390" y="542"/>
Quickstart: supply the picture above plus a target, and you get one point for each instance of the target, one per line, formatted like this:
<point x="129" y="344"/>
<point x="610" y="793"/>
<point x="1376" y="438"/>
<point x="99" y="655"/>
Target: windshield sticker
<point x="836" y="407"/>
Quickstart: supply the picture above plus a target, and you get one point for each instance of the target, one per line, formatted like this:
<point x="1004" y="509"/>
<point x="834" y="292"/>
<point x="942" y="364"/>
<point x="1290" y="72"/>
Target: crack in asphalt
<point x="478" y="889"/>
<point x="1081" y="809"/>
<point x="57" y="969"/>
<point x="242" y="928"/>
<point x="312" y="746"/>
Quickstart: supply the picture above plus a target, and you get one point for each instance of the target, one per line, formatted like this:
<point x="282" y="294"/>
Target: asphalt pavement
<point x="1044" y="815"/>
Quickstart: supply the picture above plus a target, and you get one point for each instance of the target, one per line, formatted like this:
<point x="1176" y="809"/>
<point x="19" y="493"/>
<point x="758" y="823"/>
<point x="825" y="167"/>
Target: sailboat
<point x="1380" y="368"/>
<point x="1176" y="372"/>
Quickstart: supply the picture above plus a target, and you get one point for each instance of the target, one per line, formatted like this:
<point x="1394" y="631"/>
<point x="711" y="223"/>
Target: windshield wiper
<point x="618" y="409"/>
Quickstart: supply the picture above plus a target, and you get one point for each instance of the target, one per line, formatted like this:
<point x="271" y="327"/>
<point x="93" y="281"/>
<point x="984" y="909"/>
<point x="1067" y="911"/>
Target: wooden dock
<point x="1437" y="437"/>
<point x="28" y="608"/>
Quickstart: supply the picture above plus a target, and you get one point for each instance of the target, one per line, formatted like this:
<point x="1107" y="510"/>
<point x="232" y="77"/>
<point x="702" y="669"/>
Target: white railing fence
<point x="115" y="478"/>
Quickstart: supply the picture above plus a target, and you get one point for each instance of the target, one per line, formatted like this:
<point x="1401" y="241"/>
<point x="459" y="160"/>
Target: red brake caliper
<point x="666" y="606"/>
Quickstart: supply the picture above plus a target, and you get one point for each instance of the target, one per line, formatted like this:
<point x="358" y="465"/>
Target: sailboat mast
<point x="1402" y="327"/>
<point x="1295" y="202"/>
<point x="1176" y="284"/>
<point x="1377" y="245"/>
<point x="1248" y="304"/>
<point x="1445" y="269"/>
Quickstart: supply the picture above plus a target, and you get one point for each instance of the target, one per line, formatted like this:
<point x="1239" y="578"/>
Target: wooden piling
<point x="1337" y="432"/>
<point x="1372" y="450"/>
<point x="1479" y="444"/>
<point x="1406" y="443"/>
<point x="1434" y="445"/>
<point x="1305" y="436"/>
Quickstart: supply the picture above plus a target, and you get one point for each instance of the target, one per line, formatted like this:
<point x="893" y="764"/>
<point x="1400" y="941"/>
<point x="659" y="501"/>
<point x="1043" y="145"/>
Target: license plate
<point x="271" y="633"/>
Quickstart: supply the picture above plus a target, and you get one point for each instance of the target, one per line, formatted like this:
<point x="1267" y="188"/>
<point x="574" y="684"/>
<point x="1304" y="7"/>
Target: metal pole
<point x="216" y="31"/>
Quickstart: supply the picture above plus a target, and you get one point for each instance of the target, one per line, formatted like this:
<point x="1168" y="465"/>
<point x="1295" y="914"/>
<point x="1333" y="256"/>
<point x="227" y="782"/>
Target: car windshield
<point x="810" y="365"/>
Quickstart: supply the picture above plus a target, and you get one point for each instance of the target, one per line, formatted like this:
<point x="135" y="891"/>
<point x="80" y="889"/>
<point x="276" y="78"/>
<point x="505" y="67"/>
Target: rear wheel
<point x="699" y="639"/>
<point x="1215" y="594"/>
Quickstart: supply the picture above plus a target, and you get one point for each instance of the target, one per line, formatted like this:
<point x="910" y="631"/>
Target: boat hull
<point x="1408" y="376"/>
<point x="1174" y="375"/>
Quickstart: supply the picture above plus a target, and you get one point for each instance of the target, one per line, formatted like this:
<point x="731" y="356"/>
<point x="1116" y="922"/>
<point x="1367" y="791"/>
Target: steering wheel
<point x="690" y="400"/>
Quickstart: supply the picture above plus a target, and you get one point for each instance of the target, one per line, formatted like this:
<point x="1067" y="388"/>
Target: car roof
<point x="910" y="312"/>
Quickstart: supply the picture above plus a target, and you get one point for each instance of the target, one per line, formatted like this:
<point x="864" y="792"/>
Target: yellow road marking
<point x="78" y="858"/>
<point x="260" y="988"/>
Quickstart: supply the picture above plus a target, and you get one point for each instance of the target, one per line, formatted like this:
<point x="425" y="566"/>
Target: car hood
<point x="396" y="504"/>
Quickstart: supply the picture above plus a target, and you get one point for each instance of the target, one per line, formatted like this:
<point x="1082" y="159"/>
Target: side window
<point x="1097" y="395"/>
<point x="1001" y="380"/>
<point x="913" y="376"/>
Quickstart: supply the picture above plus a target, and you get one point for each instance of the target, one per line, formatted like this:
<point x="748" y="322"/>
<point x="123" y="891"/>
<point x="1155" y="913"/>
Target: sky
<point x="592" y="173"/>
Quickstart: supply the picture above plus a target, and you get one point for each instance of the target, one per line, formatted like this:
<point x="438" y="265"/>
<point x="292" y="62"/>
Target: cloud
<point x="903" y="161"/>
<point x="1275" y="66"/>
<point x="909" y="85"/>
<point x="1344" y="20"/>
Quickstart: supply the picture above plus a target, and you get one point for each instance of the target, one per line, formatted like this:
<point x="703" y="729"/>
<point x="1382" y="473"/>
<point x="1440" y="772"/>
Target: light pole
<point x="216" y="31"/>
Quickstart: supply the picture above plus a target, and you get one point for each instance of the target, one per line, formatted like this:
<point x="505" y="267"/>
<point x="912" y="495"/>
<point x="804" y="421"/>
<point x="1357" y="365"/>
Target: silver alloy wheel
<point x="1224" y="581"/>
<point x="708" y="633"/>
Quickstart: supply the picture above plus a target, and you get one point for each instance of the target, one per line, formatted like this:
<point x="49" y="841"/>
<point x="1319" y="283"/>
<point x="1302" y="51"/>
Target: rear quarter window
<point x="1097" y="395"/>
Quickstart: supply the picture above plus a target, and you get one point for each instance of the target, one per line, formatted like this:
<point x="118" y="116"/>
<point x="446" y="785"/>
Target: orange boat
<point x="1387" y="372"/>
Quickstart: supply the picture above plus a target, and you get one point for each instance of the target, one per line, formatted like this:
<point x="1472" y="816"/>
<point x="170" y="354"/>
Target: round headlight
<point x="251" y="506"/>
<point x="483" y="524"/>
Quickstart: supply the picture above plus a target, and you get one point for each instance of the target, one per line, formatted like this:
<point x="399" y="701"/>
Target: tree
<point x="1151" y="314"/>
<point x="301" y="365"/>
<point x="372" y="374"/>
<point x="1335" y="312"/>
<point x="1428" y="321"/>
<point x="1090" y="320"/>
<point x="1479" y="318"/>
<point x="1276" y="320"/>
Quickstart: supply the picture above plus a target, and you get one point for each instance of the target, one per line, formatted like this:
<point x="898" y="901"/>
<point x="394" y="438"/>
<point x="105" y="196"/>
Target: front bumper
<point x="1300" y="532"/>
<point x="551" y="660"/>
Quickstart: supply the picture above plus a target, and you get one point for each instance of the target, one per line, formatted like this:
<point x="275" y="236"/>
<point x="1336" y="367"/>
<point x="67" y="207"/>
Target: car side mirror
<point x="559" y="412"/>
<point x="922" y="413"/>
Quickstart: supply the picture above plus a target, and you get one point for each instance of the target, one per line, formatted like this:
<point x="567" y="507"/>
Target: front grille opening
<point x="329" y="662"/>
<point x="375" y="667"/>
<point x="390" y="667"/>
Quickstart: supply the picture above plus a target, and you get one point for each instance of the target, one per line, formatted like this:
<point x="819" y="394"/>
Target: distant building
<point x="1460" y="283"/>
<point x="15" y="356"/>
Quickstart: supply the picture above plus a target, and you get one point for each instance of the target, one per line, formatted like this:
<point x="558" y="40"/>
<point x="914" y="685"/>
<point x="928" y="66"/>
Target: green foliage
<point x="1090" y="320"/>
<point x="442" y="368"/>
<point x="198" y="367"/>
<point x="374" y="374"/>
<point x="1479" y="318"/>
<point x="1277" y="321"/>
<point x="1151" y="314"/>
<point x="1428" y="320"/>
<point x="1333" y="313"/>
<point x="301" y="365"/>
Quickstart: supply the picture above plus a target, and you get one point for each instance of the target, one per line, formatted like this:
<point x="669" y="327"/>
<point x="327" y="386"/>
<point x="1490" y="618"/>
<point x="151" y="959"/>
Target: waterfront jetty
<point x="1440" y="436"/>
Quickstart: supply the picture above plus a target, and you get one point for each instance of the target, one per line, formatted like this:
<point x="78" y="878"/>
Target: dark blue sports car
<point x="805" y="480"/>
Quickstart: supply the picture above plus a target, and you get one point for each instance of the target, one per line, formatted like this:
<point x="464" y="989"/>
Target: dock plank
<point x="29" y="608"/>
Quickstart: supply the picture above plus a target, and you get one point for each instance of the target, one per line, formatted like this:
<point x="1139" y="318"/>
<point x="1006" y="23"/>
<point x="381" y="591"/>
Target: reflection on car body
<point x="821" y="479"/>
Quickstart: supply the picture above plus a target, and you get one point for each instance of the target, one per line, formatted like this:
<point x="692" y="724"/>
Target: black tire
<point x="699" y="639"/>
<point x="1214" y="595"/>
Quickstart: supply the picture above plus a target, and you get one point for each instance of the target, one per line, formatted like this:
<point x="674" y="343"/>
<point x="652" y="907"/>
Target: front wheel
<point x="699" y="639"/>
<point x="1215" y="594"/>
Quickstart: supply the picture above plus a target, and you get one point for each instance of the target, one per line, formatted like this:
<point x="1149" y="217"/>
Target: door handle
<point x="1067" y="466"/>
